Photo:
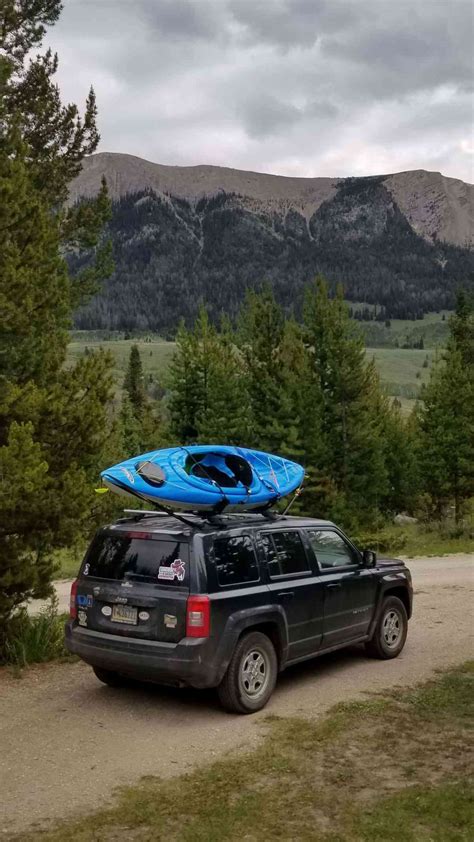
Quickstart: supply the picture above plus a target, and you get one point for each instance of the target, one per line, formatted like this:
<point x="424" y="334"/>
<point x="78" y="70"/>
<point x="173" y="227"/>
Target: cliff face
<point x="184" y="235"/>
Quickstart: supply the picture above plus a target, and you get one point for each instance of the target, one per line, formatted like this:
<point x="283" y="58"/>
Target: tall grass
<point x="33" y="640"/>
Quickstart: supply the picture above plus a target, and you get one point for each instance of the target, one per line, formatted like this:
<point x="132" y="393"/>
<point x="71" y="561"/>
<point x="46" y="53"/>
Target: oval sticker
<point x="144" y="615"/>
<point x="106" y="610"/>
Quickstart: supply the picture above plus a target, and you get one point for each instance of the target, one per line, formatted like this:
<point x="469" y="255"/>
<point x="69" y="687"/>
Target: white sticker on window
<point x="176" y="570"/>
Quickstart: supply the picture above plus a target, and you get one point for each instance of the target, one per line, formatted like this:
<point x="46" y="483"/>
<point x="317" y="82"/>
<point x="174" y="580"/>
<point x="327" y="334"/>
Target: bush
<point x="383" y="540"/>
<point x="31" y="640"/>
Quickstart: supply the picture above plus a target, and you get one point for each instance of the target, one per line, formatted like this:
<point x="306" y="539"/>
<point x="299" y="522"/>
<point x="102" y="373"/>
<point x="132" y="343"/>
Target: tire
<point x="391" y="630"/>
<point x="112" y="679"/>
<point x="243" y="690"/>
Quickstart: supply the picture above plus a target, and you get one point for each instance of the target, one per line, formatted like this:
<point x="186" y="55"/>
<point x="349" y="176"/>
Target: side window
<point x="330" y="549"/>
<point x="235" y="560"/>
<point x="285" y="553"/>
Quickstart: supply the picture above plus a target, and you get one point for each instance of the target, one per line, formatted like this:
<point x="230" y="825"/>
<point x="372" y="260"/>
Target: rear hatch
<point x="135" y="584"/>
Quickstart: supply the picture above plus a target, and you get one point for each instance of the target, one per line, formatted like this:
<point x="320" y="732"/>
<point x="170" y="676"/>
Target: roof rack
<point x="139" y="514"/>
<point x="214" y="517"/>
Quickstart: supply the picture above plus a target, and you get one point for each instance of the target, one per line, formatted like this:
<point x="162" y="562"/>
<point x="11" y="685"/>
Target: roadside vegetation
<point x="414" y="539"/>
<point x="34" y="639"/>
<point x="395" y="767"/>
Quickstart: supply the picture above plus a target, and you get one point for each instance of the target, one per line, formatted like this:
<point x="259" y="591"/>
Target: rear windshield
<point x="151" y="559"/>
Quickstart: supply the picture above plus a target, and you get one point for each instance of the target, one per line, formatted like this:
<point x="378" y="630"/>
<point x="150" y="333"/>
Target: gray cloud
<point x="299" y="87"/>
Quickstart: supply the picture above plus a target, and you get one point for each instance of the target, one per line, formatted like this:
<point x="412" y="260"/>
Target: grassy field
<point x="402" y="371"/>
<point x="433" y="329"/>
<point x="155" y="352"/>
<point x="396" y="767"/>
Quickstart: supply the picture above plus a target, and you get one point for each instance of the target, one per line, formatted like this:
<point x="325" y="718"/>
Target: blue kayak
<point x="205" y="478"/>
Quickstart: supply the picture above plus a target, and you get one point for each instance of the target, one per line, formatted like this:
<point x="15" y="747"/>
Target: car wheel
<point x="391" y="630"/>
<point x="112" y="679"/>
<point x="251" y="675"/>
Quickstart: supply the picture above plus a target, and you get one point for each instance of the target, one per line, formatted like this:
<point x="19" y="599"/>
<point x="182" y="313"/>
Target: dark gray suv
<point x="229" y="602"/>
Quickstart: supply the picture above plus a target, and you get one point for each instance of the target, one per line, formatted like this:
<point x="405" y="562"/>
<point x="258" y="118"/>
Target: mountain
<point x="186" y="235"/>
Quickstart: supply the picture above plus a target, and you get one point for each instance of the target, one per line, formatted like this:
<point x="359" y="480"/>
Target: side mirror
<point x="369" y="558"/>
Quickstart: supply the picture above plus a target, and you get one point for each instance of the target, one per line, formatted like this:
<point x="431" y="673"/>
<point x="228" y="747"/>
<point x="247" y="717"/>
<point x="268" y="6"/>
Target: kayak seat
<point x="151" y="473"/>
<point x="211" y="473"/>
<point x="241" y="469"/>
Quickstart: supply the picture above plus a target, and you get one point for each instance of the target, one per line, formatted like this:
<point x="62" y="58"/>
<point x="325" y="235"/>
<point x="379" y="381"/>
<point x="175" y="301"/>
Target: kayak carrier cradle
<point x="214" y="517"/>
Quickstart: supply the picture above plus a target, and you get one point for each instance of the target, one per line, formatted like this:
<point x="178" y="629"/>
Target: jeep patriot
<point x="230" y="601"/>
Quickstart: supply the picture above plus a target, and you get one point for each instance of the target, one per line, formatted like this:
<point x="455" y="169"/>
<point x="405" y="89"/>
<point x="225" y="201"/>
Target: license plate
<point x="124" y="614"/>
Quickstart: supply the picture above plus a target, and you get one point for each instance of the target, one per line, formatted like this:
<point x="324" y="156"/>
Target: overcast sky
<point x="296" y="87"/>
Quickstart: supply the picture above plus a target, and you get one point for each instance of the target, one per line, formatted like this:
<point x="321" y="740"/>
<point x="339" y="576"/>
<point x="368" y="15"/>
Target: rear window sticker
<point x="176" y="570"/>
<point x="87" y="567"/>
<point x="82" y="618"/>
<point x="170" y="621"/>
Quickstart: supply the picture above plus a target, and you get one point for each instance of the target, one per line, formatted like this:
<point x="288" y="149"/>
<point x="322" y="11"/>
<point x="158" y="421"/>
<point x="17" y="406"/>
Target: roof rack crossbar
<point x="162" y="511"/>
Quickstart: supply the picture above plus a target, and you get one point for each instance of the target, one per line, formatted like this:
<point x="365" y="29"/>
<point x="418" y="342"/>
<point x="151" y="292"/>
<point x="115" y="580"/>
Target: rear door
<point x="296" y="586"/>
<point x="234" y="578"/>
<point x="135" y="584"/>
<point x="349" y="587"/>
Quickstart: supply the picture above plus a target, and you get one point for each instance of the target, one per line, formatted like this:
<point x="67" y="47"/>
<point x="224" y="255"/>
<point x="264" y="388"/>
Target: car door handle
<point x="333" y="585"/>
<point x="286" y="595"/>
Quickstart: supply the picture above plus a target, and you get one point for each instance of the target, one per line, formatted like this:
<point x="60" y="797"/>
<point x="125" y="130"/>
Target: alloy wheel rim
<point x="254" y="672"/>
<point x="392" y="628"/>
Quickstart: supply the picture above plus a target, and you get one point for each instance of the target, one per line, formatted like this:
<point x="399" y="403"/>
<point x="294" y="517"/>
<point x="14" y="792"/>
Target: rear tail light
<point x="198" y="616"/>
<point x="72" y="601"/>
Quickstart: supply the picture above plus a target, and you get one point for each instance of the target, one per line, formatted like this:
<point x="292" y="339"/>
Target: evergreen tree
<point x="462" y="327"/>
<point x="400" y="457"/>
<point x="347" y="447"/>
<point x="272" y="348"/>
<point x="134" y="383"/>
<point x="53" y="421"/>
<point x="225" y="416"/>
<point x="446" y="419"/>
<point x="130" y="430"/>
<point x="208" y="399"/>
<point x="185" y="402"/>
<point x="140" y="421"/>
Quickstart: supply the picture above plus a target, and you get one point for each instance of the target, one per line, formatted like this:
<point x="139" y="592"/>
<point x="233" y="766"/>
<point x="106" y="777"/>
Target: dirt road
<point x="67" y="741"/>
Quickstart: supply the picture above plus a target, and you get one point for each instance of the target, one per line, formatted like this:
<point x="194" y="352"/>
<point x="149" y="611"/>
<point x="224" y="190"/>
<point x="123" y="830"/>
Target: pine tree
<point x="347" y="447"/>
<point x="446" y="419"/>
<point x="141" y="423"/>
<point x="208" y="397"/>
<point x="272" y="349"/>
<point x="400" y="458"/>
<point x="53" y="421"/>
<point x="134" y="383"/>
<point x="185" y="403"/>
<point x="225" y="417"/>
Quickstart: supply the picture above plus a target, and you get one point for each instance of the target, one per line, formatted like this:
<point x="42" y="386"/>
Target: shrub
<point x="34" y="639"/>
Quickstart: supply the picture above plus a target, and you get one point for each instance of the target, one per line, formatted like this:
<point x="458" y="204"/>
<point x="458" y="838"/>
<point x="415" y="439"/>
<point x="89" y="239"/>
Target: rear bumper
<point x="188" y="662"/>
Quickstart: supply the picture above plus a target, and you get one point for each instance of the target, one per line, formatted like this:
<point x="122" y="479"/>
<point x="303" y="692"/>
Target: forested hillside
<point x="171" y="255"/>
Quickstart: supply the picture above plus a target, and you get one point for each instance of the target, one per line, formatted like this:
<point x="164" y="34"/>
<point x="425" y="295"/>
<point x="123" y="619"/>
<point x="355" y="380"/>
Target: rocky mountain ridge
<point x="437" y="207"/>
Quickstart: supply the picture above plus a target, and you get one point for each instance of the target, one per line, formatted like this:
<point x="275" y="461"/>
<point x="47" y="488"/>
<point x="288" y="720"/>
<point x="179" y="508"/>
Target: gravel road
<point x="67" y="741"/>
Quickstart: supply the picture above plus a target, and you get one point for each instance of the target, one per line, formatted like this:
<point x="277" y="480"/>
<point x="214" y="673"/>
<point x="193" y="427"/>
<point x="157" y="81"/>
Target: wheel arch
<point x="272" y="630"/>
<point x="402" y="594"/>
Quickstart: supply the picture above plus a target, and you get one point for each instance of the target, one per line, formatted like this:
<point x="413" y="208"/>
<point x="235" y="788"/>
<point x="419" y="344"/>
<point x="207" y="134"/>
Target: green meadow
<point x="402" y="370"/>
